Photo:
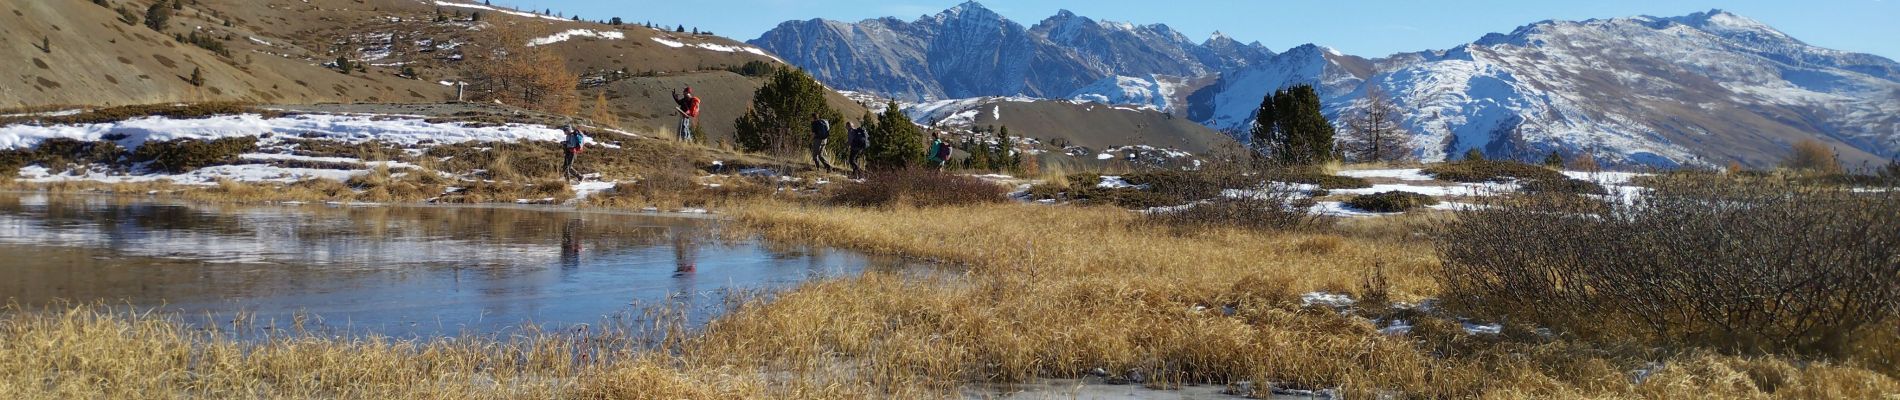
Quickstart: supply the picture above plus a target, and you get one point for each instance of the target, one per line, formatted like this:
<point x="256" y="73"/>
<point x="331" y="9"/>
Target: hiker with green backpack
<point x="939" y="152"/>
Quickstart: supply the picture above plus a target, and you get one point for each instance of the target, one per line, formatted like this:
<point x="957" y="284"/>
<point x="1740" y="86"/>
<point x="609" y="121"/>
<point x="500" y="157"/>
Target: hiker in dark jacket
<point x="820" y="134"/>
<point x="571" y="147"/>
<point x="856" y="139"/>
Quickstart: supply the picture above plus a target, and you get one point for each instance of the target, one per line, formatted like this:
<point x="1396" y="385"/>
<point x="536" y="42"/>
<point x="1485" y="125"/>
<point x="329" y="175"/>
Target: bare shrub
<point x="1391" y="201"/>
<point x="1226" y="195"/>
<point x="917" y="187"/>
<point x="1742" y="266"/>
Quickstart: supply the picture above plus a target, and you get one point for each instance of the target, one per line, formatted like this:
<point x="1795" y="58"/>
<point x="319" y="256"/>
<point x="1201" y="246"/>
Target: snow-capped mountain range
<point x="1703" y="89"/>
<point x="971" y="51"/>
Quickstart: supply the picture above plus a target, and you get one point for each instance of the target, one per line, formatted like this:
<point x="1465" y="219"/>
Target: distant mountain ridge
<point x="1706" y="88"/>
<point x="971" y="51"/>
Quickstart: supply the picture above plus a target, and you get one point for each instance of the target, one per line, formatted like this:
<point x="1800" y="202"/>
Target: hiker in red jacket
<point x="688" y="111"/>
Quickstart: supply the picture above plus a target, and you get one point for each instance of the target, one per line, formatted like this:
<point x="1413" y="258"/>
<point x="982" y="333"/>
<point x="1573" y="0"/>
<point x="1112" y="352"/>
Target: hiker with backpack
<point x="820" y="134"/>
<point x="688" y="111"/>
<point x="856" y="140"/>
<point x="939" y="151"/>
<point x="571" y="147"/>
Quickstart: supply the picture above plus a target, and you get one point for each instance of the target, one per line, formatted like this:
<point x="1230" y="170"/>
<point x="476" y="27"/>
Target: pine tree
<point x="680" y="29"/>
<point x="343" y="65"/>
<point x="1007" y="158"/>
<point x="897" y="142"/>
<point x="616" y="21"/>
<point x="778" y="119"/>
<point x="1290" y="128"/>
<point x="1474" y="155"/>
<point x="475" y="17"/>
<point x="197" y="77"/>
<point x="157" y="16"/>
<point x="1554" y="160"/>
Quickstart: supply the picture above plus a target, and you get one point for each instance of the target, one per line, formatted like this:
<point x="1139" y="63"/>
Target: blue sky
<point x="1362" y="27"/>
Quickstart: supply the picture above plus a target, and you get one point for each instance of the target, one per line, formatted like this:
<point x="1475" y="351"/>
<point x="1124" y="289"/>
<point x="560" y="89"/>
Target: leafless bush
<point x="1760" y="267"/>
<point x="1229" y="194"/>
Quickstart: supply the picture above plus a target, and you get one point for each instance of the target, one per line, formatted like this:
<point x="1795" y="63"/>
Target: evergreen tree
<point x="979" y="154"/>
<point x="157" y="16"/>
<point x="680" y="29"/>
<point x="897" y="142"/>
<point x="476" y="16"/>
<point x="343" y="64"/>
<point x="1474" y="155"/>
<point x="1290" y="128"/>
<point x="616" y="21"/>
<point x="780" y="115"/>
<point x="197" y="77"/>
<point x="1006" y="156"/>
<point x="1554" y="160"/>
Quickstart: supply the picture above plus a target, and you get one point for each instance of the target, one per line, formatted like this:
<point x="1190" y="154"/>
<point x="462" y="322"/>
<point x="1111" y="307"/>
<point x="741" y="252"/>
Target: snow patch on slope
<point x="574" y="33"/>
<point x="1152" y="92"/>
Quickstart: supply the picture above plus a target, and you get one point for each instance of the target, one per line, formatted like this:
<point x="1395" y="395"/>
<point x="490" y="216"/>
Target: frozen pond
<point x="398" y="270"/>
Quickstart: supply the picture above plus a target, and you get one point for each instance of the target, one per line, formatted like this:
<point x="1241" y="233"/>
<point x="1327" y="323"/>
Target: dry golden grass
<point x="1061" y="291"/>
<point x="1031" y="292"/>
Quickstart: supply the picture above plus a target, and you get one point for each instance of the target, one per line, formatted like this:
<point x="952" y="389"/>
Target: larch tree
<point x="603" y="113"/>
<point x="1809" y="155"/>
<point x="1375" y="133"/>
<point x="526" y="76"/>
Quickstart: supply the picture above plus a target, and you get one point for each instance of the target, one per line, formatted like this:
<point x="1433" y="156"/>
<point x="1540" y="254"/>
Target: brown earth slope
<point x="282" y="51"/>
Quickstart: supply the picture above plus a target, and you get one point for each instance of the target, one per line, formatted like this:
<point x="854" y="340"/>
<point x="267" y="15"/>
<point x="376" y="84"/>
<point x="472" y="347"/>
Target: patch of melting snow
<point x="1408" y="174"/>
<point x="587" y="189"/>
<point x="402" y="130"/>
<point x="717" y="47"/>
<point x="1340" y="209"/>
<point x="1104" y="156"/>
<point x="1463" y="189"/>
<point x="1397" y="327"/>
<point x="1116" y="182"/>
<point x="574" y="33"/>
<point x="1483" y="329"/>
<point x="1327" y="299"/>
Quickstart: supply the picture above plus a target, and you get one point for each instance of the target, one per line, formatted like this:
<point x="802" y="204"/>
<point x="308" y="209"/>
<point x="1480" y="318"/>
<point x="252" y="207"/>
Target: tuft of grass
<point x="184" y="155"/>
<point x="918" y="188"/>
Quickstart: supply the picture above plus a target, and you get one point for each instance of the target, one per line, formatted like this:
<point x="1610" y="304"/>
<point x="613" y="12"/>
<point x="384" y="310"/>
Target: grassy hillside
<point x="283" y="52"/>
